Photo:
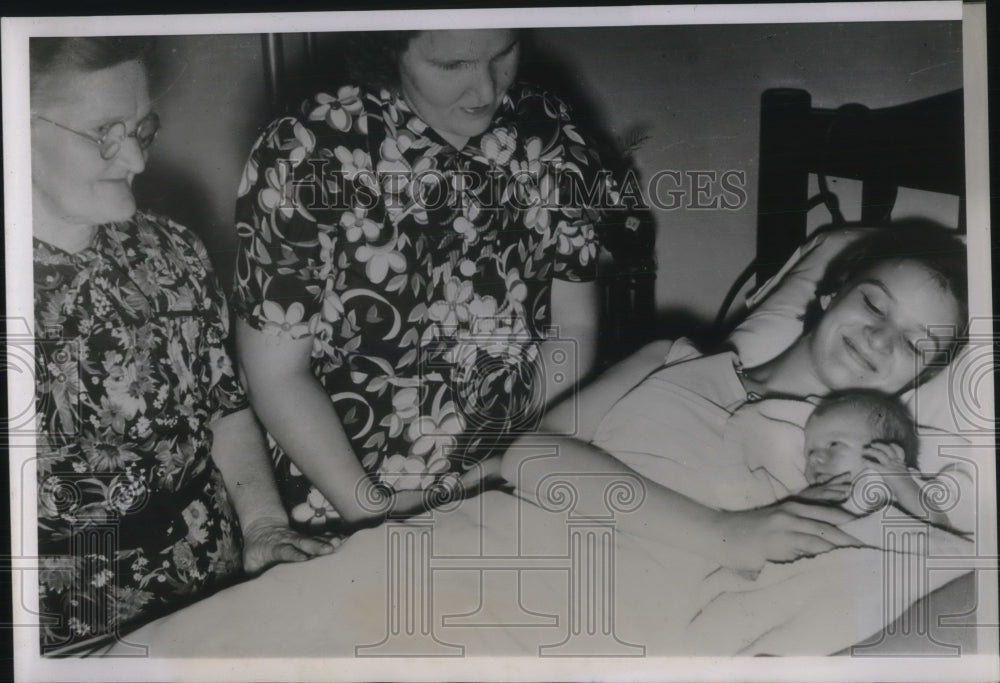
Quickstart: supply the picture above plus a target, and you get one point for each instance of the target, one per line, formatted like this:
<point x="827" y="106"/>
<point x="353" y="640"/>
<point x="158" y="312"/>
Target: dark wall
<point x="693" y="91"/>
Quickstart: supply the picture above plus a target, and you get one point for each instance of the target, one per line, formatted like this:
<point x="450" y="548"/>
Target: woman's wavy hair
<point x="372" y="57"/>
<point x="49" y="56"/>
<point x="933" y="246"/>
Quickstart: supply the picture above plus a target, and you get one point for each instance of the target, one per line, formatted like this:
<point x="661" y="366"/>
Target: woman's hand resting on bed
<point x="268" y="541"/>
<point x="780" y="533"/>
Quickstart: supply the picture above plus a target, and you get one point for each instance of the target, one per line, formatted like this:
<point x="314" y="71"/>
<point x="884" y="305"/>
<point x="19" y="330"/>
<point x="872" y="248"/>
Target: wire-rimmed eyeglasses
<point x="110" y="142"/>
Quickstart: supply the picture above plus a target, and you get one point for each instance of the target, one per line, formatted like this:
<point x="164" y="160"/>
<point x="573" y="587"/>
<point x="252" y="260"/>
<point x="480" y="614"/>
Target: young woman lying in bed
<point x="889" y="312"/>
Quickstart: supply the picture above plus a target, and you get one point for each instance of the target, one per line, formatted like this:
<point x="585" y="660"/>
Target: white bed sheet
<point x="495" y="576"/>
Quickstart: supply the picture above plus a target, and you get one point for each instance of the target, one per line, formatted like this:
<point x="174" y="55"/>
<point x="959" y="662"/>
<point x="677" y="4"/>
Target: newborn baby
<point x="861" y="449"/>
<point x="855" y="448"/>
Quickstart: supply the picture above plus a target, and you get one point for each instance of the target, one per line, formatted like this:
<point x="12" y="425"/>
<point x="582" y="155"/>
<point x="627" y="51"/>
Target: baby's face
<point x="834" y="443"/>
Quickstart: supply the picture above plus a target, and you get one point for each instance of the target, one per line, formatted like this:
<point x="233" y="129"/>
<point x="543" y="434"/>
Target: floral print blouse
<point x="421" y="272"/>
<point x="133" y="516"/>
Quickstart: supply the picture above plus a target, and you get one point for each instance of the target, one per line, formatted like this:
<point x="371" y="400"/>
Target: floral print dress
<point x="421" y="272"/>
<point x="133" y="516"/>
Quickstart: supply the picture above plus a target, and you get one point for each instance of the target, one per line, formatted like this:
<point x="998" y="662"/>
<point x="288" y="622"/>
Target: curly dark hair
<point x="933" y="246"/>
<point x="48" y="56"/>
<point x="372" y="57"/>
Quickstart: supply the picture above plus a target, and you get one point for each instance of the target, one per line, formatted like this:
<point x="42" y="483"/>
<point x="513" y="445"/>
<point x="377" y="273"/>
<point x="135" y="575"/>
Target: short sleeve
<point x="285" y="239"/>
<point x="225" y="393"/>
<point x="586" y="191"/>
<point x="600" y="201"/>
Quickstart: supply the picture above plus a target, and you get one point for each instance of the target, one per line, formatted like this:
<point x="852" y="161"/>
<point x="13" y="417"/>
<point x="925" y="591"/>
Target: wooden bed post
<point x="783" y="191"/>
<point x="273" y="50"/>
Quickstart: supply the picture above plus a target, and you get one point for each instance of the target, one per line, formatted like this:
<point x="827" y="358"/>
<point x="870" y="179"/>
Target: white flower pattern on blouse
<point x="422" y="272"/>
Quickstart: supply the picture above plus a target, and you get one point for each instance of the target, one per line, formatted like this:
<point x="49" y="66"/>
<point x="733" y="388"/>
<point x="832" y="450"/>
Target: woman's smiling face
<point x="455" y="80"/>
<point x="874" y="334"/>
<point x="72" y="185"/>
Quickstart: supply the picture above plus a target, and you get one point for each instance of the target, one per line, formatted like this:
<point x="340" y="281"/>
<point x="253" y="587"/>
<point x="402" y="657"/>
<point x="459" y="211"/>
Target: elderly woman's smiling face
<point x="455" y="80"/>
<point x="73" y="188"/>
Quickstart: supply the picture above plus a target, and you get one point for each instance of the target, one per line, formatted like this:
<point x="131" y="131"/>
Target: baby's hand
<point x="833" y="490"/>
<point x="885" y="458"/>
<point x="887" y="461"/>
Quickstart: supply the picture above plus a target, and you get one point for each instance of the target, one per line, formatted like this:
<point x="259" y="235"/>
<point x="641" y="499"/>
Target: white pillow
<point x="775" y="318"/>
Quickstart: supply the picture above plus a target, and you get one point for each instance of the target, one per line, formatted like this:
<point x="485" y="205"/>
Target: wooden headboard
<point x="917" y="145"/>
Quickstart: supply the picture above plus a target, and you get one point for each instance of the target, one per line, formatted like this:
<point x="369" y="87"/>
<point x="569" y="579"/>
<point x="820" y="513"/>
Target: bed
<point x="495" y="575"/>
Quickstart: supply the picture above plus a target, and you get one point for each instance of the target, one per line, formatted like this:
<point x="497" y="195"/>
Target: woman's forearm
<point x="570" y="355"/>
<point x="739" y="540"/>
<point x="240" y="453"/>
<point x="536" y="462"/>
<point x="298" y="413"/>
<point x="296" y="410"/>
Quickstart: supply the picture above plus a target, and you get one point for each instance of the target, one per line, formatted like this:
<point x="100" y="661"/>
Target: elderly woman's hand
<point x="781" y="533"/>
<point x="268" y="541"/>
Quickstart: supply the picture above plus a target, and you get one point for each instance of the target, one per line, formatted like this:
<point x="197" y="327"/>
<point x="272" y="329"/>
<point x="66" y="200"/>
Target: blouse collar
<point x="106" y="245"/>
<point x="55" y="255"/>
<point x="398" y="110"/>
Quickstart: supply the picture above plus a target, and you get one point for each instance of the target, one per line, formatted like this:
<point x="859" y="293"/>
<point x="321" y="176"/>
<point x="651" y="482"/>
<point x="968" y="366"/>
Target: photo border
<point x="15" y="33"/>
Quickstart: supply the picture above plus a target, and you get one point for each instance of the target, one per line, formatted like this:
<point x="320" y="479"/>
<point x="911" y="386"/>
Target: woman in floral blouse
<point x="415" y="273"/>
<point x="143" y="429"/>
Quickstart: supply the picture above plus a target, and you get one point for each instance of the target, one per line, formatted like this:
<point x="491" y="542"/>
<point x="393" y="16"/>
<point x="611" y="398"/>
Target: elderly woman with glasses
<point x="154" y="486"/>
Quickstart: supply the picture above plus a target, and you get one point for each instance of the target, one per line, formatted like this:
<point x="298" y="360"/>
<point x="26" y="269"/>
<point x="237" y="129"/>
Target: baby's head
<point x="844" y="423"/>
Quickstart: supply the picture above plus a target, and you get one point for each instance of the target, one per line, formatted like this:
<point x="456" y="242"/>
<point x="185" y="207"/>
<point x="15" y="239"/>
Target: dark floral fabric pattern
<point x="133" y="516"/>
<point x="422" y="272"/>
